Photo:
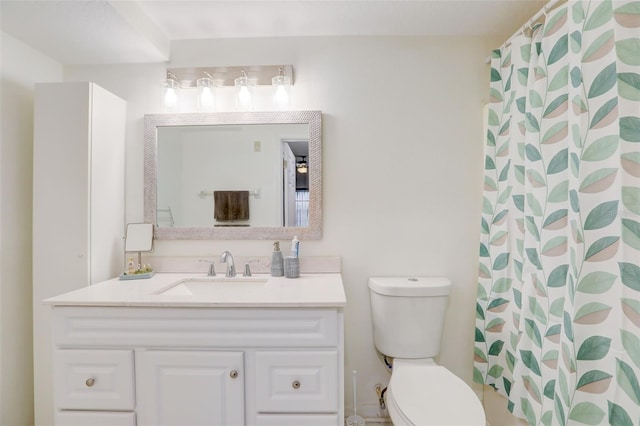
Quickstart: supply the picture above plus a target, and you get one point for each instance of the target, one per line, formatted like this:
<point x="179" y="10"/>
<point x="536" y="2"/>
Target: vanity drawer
<point x="297" y="381"/>
<point x="94" y="418"/>
<point x="297" y="420"/>
<point x="93" y="379"/>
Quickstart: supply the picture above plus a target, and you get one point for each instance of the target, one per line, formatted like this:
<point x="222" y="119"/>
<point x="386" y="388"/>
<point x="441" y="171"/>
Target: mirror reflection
<point x="233" y="175"/>
<point x="250" y="175"/>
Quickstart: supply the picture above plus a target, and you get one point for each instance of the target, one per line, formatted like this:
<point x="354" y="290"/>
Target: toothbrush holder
<point x="291" y="267"/>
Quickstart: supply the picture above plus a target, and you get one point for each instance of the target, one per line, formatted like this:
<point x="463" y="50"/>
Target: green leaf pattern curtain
<point x="558" y="306"/>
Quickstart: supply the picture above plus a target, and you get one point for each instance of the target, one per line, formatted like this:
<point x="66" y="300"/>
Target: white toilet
<point x="408" y="315"/>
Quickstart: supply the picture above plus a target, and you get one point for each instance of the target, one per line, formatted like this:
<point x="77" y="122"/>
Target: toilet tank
<point x="408" y="314"/>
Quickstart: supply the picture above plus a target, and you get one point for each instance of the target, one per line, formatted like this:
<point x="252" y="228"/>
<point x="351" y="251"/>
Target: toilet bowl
<point x="408" y="317"/>
<point x="423" y="393"/>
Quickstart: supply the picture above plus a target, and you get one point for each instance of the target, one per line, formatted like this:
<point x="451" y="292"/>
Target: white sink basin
<point x="211" y="286"/>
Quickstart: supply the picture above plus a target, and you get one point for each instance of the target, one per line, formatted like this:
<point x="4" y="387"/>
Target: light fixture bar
<point x="224" y="76"/>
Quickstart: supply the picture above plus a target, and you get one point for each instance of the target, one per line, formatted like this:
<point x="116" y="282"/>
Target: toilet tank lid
<point x="410" y="286"/>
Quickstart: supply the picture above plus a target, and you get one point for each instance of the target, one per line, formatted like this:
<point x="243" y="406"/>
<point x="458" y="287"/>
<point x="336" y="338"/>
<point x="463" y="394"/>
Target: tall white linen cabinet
<point x="78" y="206"/>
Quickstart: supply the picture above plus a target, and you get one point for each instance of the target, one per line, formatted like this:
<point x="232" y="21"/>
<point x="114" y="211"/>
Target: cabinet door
<point x="190" y="388"/>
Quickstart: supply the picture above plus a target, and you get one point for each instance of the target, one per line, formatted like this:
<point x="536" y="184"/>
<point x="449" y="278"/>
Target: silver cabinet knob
<point x="233" y="374"/>
<point x="295" y="384"/>
<point x="90" y="382"/>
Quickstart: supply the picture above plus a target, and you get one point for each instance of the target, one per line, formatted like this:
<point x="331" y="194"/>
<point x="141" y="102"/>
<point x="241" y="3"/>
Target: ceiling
<point x="138" y="31"/>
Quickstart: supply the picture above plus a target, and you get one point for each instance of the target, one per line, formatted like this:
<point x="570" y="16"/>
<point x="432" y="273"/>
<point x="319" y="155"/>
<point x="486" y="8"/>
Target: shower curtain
<point x="558" y="305"/>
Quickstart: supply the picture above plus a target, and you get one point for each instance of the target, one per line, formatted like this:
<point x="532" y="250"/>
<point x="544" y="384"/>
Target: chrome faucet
<point x="231" y="267"/>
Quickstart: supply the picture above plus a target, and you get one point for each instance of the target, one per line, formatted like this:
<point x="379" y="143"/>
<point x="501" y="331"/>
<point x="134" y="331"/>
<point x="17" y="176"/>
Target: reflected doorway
<point x="295" y="182"/>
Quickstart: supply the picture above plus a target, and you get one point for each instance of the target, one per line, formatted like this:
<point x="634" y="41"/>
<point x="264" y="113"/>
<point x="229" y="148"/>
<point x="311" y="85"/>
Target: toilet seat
<point x="422" y="393"/>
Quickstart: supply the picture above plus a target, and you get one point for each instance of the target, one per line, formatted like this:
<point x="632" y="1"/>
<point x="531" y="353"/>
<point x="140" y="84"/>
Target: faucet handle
<point x="247" y="270"/>
<point x="212" y="267"/>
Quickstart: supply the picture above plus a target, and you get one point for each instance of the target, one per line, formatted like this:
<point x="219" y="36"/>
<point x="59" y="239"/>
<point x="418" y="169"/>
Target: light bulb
<point x="244" y="101"/>
<point x="244" y="97"/>
<point x="281" y="97"/>
<point x="170" y="98"/>
<point x="206" y="97"/>
<point x="281" y="91"/>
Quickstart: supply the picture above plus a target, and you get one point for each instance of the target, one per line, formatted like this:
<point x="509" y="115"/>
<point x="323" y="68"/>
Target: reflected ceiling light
<point x="206" y="93"/>
<point x="244" y="95"/>
<point x="301" y="166"/>
<point x="281" y="86"/>
<point x="171" y="95"/>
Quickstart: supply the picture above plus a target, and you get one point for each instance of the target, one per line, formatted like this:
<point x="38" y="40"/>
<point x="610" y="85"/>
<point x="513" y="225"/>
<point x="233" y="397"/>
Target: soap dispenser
<point x="277" y="261"/>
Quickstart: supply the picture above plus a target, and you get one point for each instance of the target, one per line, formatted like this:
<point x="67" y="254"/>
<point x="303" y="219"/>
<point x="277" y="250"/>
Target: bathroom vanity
<point x="186" y="349"/>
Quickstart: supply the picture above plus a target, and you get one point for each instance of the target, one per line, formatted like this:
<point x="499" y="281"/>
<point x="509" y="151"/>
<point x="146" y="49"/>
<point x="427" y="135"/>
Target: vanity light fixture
<point x="301" y="166"/>
<point x="281" y="86"/>
<point x="208" y="89"/>
<point x="171" y="96"/>
<point x="206" y="93"/>
<point x="244" y="95"/>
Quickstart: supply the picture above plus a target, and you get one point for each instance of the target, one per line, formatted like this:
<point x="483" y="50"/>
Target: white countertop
<point x="309" y="290"/>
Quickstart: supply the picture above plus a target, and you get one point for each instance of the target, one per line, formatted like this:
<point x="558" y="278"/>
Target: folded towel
<point x="230" y="205"/>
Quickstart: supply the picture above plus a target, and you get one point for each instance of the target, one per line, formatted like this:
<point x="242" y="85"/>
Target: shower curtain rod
<point x="545" y="9"/>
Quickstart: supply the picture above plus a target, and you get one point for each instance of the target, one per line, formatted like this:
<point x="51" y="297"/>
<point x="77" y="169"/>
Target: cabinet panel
<point x="297" y="381"/>
<point x="107" y="176"/>
<point x="93" y="379"/>
<point x="190" y="388"/>
<point x="94" y="418"/>
<point x="200" y="328"/>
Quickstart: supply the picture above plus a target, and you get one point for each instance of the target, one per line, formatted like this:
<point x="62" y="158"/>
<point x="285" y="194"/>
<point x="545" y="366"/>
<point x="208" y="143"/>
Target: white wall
<point x="402" y="164"/>
<point x="21" y="68"/>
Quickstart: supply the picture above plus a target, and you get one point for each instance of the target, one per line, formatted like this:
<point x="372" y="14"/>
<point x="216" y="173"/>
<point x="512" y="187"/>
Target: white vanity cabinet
<point x="154" y="366"/>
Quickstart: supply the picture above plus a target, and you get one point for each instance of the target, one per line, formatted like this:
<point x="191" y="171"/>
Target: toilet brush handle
<point x="355" y="410"/>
